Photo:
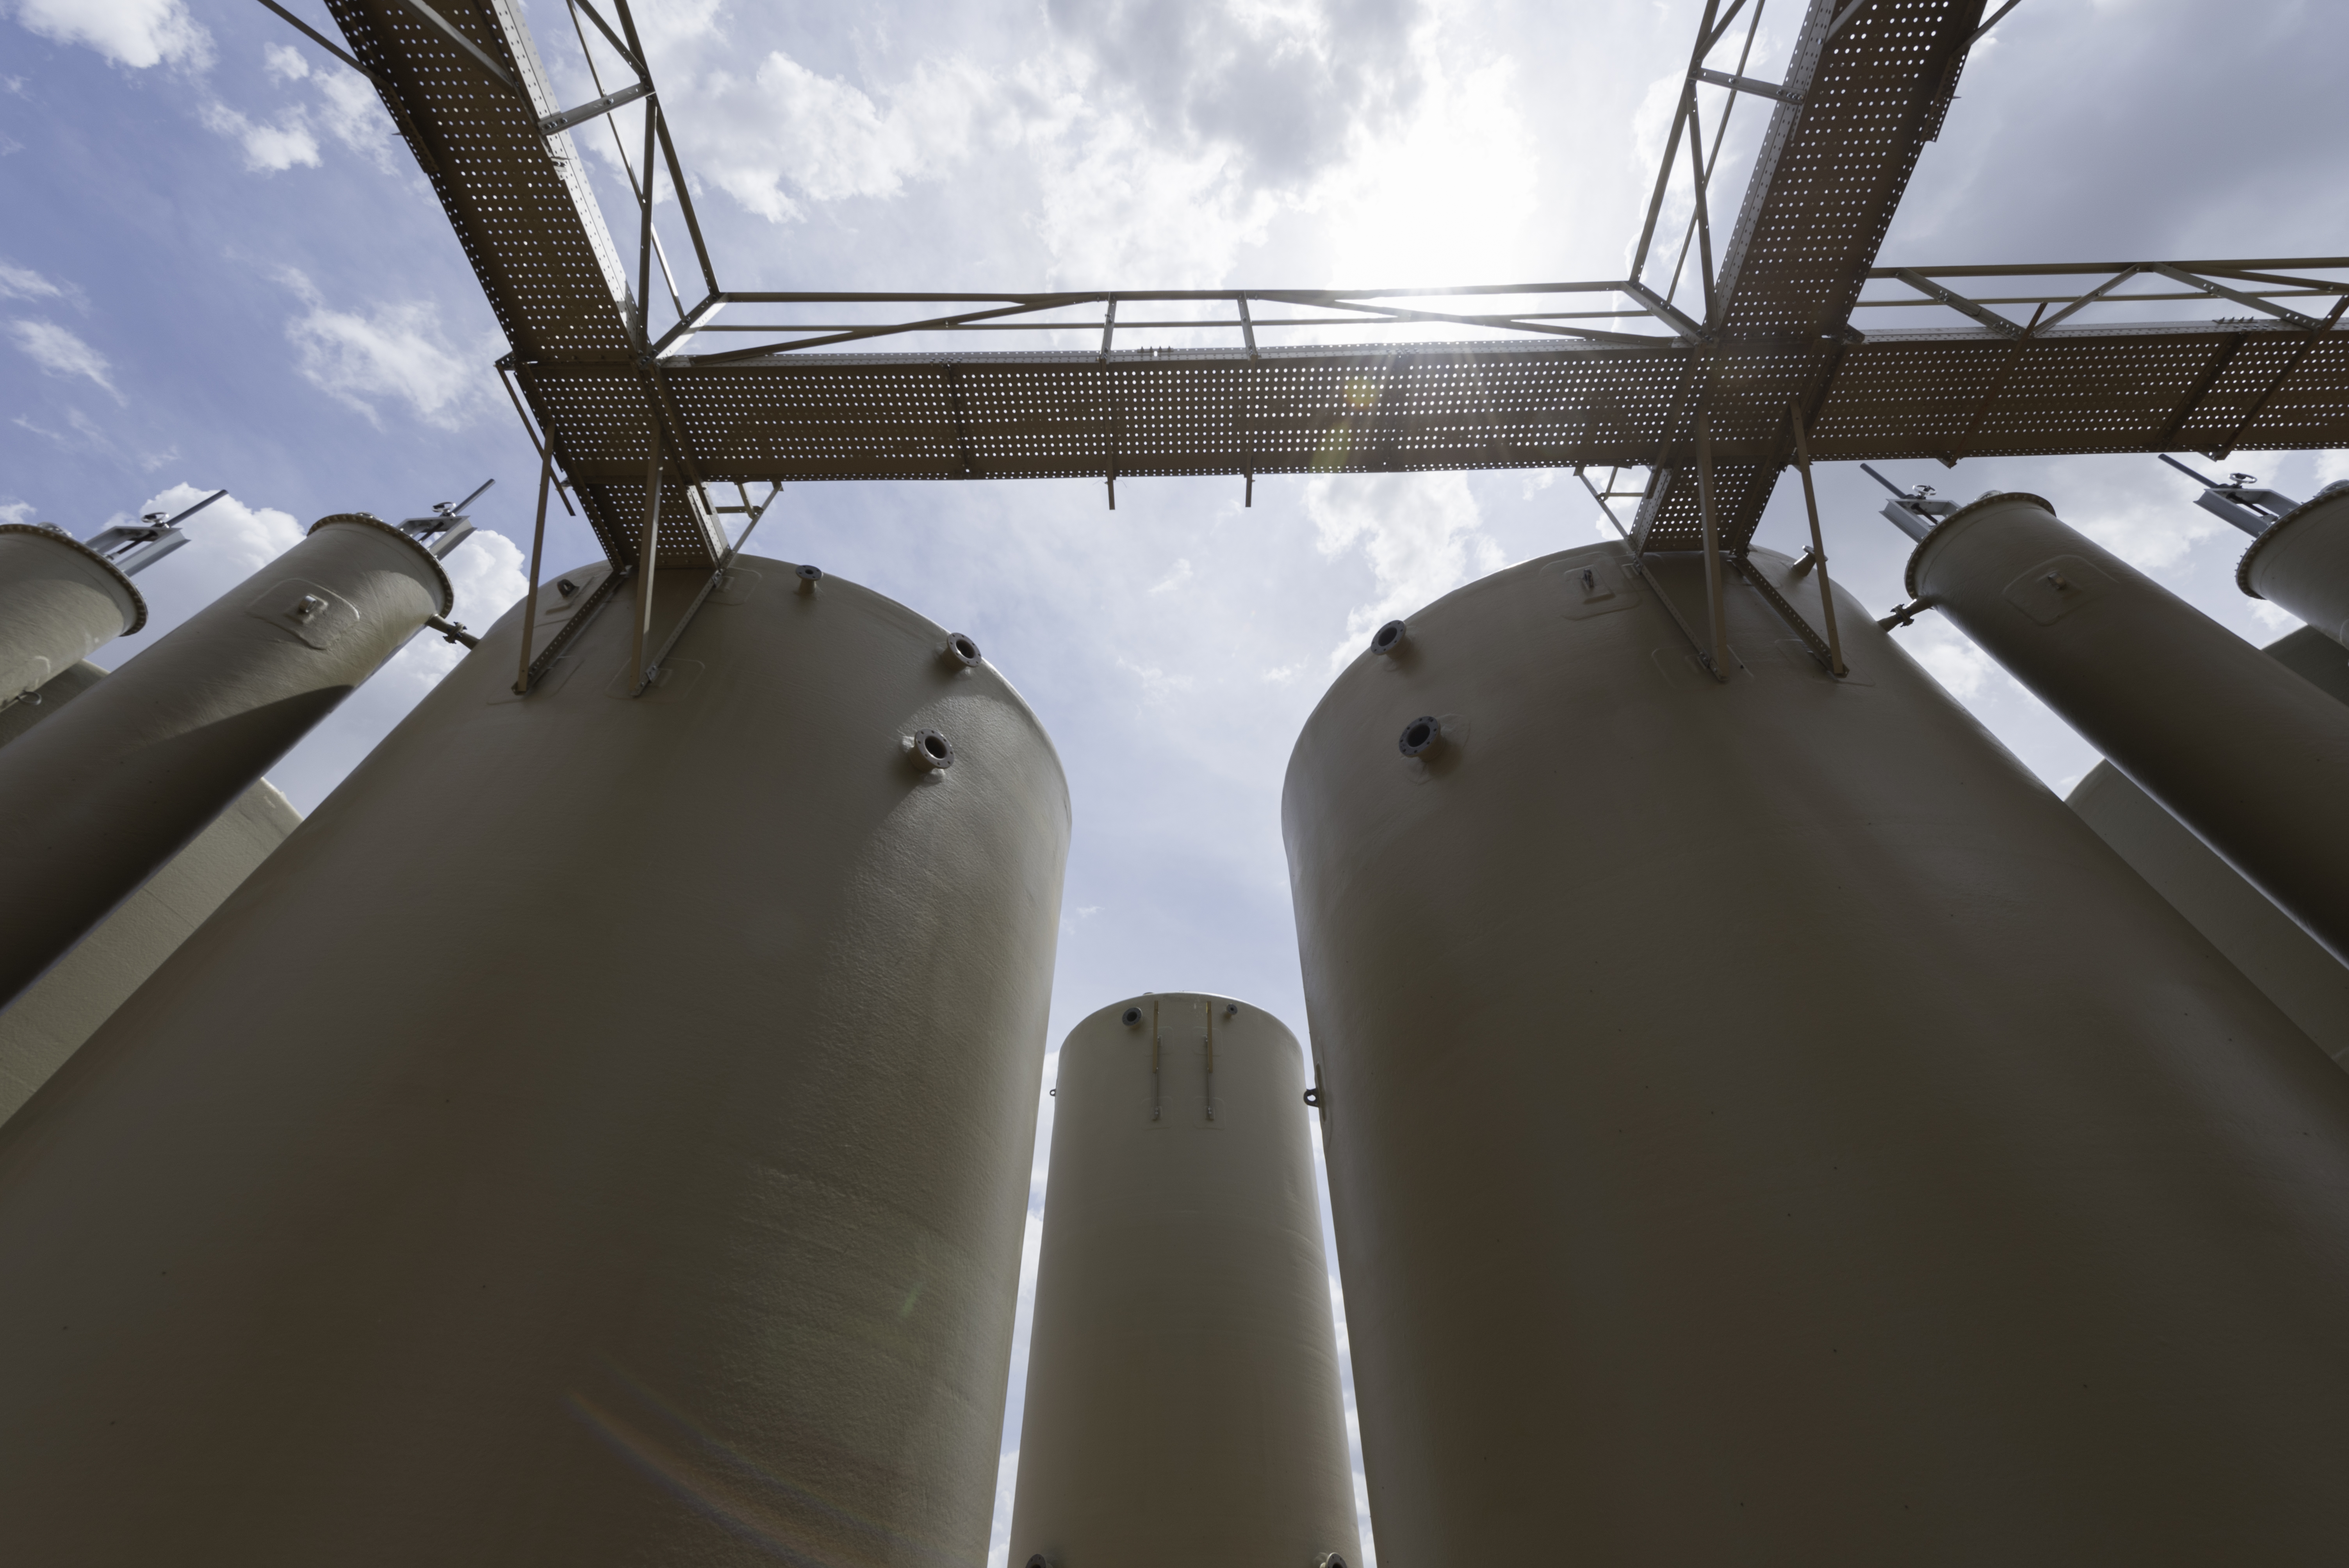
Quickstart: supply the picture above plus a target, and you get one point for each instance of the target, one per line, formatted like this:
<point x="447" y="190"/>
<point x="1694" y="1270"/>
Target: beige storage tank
<point x="2251" y="756"/>
<point x="97" y="798"/>
<point x="599" y="1135"/>
<point x="61" y="601"/>
<point x="1182" y="1394"/>
<point x="1765" y="1125"/>
<point x="51" y="1019"/>
<point x="2308" y="983"/>
<point x="2301" y="562"/>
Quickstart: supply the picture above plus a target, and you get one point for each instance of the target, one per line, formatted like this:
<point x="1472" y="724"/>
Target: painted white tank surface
<point x="61" y="601"/>
<point x="1765" y="1124"/>
<point x="1183" y="1404"/>
<point x="2252" y="757"/>
<point x="99" y="797"/>
<point x="600" y="1134"/>
<point x="2308" y="983"/>
<point x="49" y="1022"/>
<point x="2301" y="563"/>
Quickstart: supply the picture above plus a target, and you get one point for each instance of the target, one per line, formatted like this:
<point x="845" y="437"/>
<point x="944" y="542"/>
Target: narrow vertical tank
<point x="49" y="1020"/>
<point x="599" y="1135"/>
<point x="61" y="601"/>
<point x="1183" y="1400"/>
<point x="2251" y="756"/>
<point x="2301" y="562"/>
<point x="2274" y="954"/>
<point x="1765" y="1124"/>
<point x="2299" y="975"/>
<point x="99" y="798"/>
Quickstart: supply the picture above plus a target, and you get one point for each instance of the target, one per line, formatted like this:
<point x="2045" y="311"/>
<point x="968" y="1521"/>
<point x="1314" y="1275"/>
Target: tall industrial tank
<point x="600" y="1134"/>
<point x="2308" y="983"/>
<point x="2301" y="562"/>
<point x="51" y="1019"/>
<point x="2250" y="756"/>
<point x="1764" y="1125"/>
<point x="1183" y="1396"/>
<point x="61" y="601"/>
<point x="99" y="798"/>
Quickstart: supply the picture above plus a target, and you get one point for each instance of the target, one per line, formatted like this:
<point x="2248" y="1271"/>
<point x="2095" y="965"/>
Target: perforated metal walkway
<point x="1868" y="85"/>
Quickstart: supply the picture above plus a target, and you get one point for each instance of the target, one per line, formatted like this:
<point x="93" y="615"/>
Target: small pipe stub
<point x="932" y="749"/>
<point x="1420" y="736"/>
<point x="1389" y="637"/>
<point x="1130" y="1018"/>
<point x="960" y="650"/>
<point x="809" y="577"/>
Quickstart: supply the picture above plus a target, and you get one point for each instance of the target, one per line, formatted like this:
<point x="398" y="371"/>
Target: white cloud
<point x="269" y="148"/>
<point x="1118" y="200"/>
<point x="1007" y="1481"/>
<point x="236" y="540"/>
<point x="2151" y="537"/>
<point x="2274" y="619"/>
<point x="395" y="350"/>
<point x="1156" y="681"/>
<point x="1421" y="533"/>
<point x="1173" y="579"/>
<point x="60" y="352"/>
<point x="15" y="512"/>
<point x="1436" y="195"/>
<point x="353" y="115"/>
<point x="1161" y="146"/>
<point x="23" y="282"/>
<point x="1964" y="671"/>
<point x="827" y="138"/>
<point x="283" y="62"/>
<point x="486" y="572"/>
<point x="135" y="32"/>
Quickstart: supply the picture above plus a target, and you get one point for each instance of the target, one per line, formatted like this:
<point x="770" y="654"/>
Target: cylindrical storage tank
<point x="61" y="601"/>
<point x="2301" y="562"/>
<point x="2251" y="756"/>
<point x="2284" y="962"/>
<point x="1183" y="1400"/>
<point x="49" y="1019"/>
<point x="99" y="797"/>
<point x="599" y="1135"/>
<point x="1765" y="1125"/>
<point x="2274" y="954"/>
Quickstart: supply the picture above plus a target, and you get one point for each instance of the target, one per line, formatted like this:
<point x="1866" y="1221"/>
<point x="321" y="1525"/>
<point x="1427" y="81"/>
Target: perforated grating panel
<point x="1832" y="171"/>
<point x="518" y="202"/>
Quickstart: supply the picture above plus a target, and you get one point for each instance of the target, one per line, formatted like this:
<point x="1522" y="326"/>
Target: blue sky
<point x="219" y="268"/>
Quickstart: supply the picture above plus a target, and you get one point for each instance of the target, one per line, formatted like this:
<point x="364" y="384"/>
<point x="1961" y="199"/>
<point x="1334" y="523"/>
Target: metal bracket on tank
<point x="597" y="597"/>
<point x="1211" y="1062"/>
<point x="1812" y="641"/>
<point x="646" y="676"/>
<point x="1905" y="614"/>
<point x="1636" y="537"/>
<point x="1639" y="564"/>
